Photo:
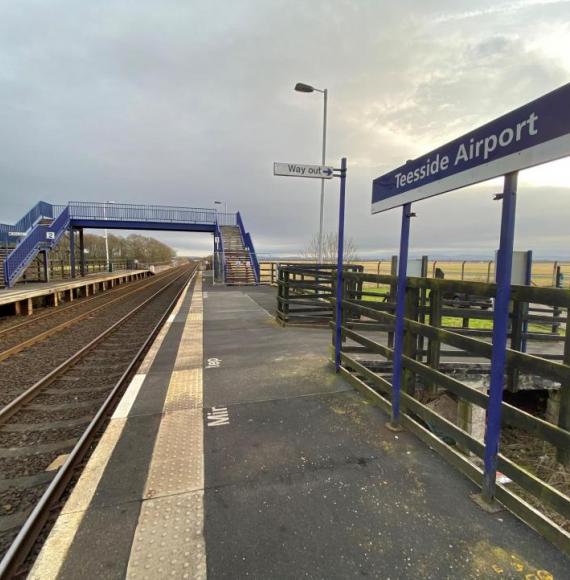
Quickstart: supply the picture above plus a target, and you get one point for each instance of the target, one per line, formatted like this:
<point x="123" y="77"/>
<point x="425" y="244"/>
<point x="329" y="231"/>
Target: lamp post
<point x="303" y="88"/>
<point x="107" y="263"/>
<point x="225" y="205"/>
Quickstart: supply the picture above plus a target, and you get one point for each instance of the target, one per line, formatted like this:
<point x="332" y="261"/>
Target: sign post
<point x="339" y="266"/>
<point x="399" y="324"/>
<point x="325" y="172"/>
<point x="500" y="334"/>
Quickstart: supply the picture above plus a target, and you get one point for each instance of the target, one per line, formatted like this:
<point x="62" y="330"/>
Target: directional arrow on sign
<point x="298" y="170"/>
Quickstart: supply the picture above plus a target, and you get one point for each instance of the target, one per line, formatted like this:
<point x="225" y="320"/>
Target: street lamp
<point x="303" y="88"/>
<point x="225" y="205"/>
<point x="106" y="234"/>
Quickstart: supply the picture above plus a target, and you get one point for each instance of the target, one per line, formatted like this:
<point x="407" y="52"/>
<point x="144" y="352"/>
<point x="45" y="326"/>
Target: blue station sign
<point x="530" y="135"/>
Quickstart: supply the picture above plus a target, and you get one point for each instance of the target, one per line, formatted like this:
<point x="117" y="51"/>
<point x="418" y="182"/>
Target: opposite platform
<point x="23" y="295"/>
<point x="238" y="453"/>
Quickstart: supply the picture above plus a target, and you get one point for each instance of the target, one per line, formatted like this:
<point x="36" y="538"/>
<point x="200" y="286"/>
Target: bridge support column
<point x="72" y="251"/>
<point x="81" y="253"/>
<point x="45" y="259"/>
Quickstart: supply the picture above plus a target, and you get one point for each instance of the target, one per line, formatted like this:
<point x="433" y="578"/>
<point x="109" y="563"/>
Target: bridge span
<point x="42" y="228"/>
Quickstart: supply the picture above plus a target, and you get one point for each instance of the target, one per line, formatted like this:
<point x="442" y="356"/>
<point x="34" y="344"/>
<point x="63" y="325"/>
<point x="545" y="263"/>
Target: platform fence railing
<point x="304" y="293"/>
<point x="366" y="354"/>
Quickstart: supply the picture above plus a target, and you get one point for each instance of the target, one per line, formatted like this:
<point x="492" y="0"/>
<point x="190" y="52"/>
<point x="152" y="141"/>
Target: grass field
<point x="453" y="321"/>
<point x="543" y="273"/>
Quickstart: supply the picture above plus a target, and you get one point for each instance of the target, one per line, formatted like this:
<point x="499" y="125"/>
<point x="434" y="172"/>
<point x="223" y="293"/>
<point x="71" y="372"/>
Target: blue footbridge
<point x="40" y="230"/>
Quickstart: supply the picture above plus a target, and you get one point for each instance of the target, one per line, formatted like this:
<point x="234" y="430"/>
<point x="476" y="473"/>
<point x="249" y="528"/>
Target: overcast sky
<point x="184" y="102"/>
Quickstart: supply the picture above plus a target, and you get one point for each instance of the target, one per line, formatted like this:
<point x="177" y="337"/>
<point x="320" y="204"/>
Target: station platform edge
<point x="23" y="297"/>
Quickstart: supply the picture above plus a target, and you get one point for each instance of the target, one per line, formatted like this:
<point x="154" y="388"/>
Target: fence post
<point x="554" y="274"/>
<point x="555" y="310"/>
<point x="410" y="339"/>
<point x="392" y="292"/>
<point x="286" y="289"/>
<point x="434" y="345"/>
<point x="563" y="455"/>
<point x="463" y="270"/>
<point x="378" y="273"/>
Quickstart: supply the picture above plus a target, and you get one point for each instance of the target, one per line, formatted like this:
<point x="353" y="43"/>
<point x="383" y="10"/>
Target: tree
<point x="330" y="249"/>
<point x="145" y="249"/>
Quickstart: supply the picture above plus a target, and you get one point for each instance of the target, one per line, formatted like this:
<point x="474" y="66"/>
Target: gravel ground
<point x="72" y="397"/>
<point x="37" y="416"/>
<point x="11" y="467"/>
<point x="30" y="438"/>
<point x="15" y="500"/>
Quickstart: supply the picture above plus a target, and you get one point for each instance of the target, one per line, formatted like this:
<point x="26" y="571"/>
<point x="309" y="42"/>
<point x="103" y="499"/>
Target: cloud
<point x="184" y="102"/>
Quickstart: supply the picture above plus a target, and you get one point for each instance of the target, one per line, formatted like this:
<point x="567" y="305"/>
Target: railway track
<point x="29" y="364"/>
<point x="21" y="335"/>
<point x="46" y="432"/>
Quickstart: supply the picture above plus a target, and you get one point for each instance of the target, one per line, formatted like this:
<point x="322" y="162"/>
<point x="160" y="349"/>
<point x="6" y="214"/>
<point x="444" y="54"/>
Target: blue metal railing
<point x="147" y="213"/>
<point x="248" y="243"/>
<point x="42" y="236"/>
<point x="41" y="210"/>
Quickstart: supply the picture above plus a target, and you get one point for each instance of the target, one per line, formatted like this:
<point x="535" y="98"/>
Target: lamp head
<point x="303" y="88"/>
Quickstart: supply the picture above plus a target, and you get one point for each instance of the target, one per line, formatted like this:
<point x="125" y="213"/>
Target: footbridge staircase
<point x="45" y="224"/>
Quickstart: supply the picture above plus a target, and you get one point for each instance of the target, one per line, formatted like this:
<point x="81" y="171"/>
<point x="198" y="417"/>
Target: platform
<point x="24" y="295"/>
<point x="238" y="453"/>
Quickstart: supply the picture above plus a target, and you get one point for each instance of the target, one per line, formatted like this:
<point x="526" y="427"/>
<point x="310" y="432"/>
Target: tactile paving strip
<point x="169" y="542"/>
<point x="184" y="391"/>
<point x="169" y="539"/>
<point x="176" y="467"/>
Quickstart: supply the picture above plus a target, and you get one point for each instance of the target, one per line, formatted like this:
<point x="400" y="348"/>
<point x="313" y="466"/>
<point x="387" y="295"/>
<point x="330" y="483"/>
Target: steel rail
<point x="28" y="534"/>
<point x="71" y="305"/>
<point x="66" y="323"/>
<point x="16" y="404"/>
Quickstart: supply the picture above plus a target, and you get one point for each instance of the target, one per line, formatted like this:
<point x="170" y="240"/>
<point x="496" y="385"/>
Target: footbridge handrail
<point x="139" y="212"/>
<point x="42" y="236"/>
<point x="248" y="243"/>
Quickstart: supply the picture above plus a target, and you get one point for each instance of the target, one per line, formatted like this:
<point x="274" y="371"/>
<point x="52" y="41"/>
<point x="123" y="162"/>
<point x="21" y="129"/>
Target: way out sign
<point x="296" y="170"/>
